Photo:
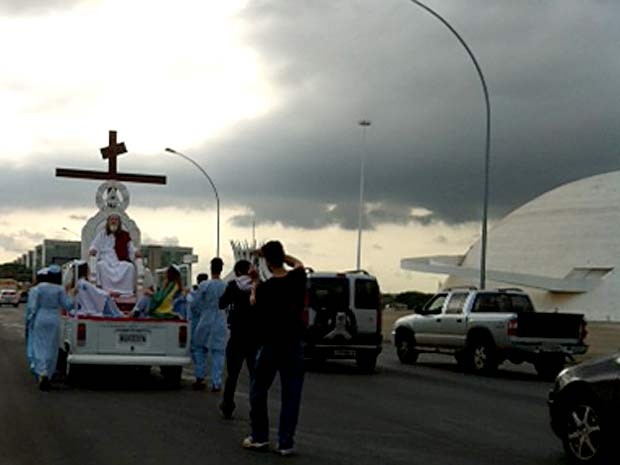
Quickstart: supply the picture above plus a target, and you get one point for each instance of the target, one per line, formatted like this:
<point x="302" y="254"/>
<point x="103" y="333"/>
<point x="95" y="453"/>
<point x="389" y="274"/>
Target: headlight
<point x="562" y="379"/>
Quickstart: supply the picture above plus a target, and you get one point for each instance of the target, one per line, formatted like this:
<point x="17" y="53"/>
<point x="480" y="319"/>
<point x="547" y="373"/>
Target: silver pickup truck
<point x="484" y="328"/>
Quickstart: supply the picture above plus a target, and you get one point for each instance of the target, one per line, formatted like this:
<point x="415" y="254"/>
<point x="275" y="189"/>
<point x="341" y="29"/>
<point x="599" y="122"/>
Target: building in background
<point x="59" y="252"/>
<point x="159" y="257"/>
<point x="56" y="252"/>
<point x="563" y="248"/>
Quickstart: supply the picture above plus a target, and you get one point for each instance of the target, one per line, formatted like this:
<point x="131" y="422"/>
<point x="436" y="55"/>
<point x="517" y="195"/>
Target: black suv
<point x="343" y="312"/>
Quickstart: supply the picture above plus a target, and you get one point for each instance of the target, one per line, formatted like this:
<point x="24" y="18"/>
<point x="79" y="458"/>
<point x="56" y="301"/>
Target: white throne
<point x="113" y="197"/>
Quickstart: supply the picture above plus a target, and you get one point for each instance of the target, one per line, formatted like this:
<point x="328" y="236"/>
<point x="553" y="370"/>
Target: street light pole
<point x="72" y="232"/>
<point x="217" y="196"/>
<point x="485" y="208"/>
<point x="364" y="124"/>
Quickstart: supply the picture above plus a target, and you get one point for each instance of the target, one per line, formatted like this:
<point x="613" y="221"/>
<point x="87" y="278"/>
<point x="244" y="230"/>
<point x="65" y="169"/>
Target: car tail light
<point x="583" y="330"/>
<point x="513" y="325"/>
<point x="81" y="334"/>
<point x="182" y="336"/>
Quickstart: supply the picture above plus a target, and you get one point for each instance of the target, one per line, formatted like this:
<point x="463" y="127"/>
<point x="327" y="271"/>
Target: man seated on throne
<point x="115" y="254"/>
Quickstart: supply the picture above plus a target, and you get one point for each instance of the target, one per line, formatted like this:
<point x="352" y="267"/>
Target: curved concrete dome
<point x="573" y="230"/>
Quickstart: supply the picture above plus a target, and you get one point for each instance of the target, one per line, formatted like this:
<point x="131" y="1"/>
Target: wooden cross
<point x="110" y="153"/>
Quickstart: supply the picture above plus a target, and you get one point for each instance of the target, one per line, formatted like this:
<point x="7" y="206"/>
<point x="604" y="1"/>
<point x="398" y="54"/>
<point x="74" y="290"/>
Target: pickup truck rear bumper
<point x="549" y="348"/>
<point x="130" y="360"/>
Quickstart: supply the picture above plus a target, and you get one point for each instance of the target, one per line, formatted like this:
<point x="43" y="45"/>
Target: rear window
<point x="502" y="303"/>
<point x="366" y="294"/>
<point x="328" y="293"/>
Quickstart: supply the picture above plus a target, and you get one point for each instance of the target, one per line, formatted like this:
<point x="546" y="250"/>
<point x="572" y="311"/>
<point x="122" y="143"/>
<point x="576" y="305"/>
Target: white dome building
<point x="563" y="248"/>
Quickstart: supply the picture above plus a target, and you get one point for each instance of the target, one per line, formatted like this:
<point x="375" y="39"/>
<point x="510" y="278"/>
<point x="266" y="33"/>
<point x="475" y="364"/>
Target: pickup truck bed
<point x="549" y="325"/>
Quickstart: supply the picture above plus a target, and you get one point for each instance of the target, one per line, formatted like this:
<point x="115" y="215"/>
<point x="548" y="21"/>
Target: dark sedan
<point x="585" y="410"/>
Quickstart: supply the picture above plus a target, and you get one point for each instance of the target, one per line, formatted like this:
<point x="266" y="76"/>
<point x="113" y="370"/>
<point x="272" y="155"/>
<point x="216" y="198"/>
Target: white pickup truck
<point x="89" y="339"/>
<point x="94" y="340"/>
<point x="484" y="328"/>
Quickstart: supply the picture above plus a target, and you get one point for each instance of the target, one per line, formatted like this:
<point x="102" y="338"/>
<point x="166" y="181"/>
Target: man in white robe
<point x="115" y="254"/>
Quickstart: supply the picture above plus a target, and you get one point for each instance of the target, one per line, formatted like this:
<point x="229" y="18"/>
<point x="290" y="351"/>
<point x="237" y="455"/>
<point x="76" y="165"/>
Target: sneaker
<point x="199" y="385"/>
<point x="250" y="444"/>
<point x="216" y="388"/>
<point x="284" y="451"/>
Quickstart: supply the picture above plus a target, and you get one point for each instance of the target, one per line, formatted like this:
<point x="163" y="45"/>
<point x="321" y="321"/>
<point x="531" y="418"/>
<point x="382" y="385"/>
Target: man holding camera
<point x="280" y="303"/>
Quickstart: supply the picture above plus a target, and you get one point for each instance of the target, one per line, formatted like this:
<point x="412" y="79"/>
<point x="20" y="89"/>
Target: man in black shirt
<point x="280" y="303"/>
<point x="242" y="322"/>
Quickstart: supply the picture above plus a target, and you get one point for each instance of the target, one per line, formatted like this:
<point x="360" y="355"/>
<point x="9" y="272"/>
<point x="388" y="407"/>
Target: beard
<point x="113" y="228"/>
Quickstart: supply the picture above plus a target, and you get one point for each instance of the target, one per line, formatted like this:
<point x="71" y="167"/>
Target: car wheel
<point x="366" y="362"/>
<point x="583" y="437"/>
<point x="75" y="373"/>
<point x="172" y="375"/>
<point x="481" y="356"/>
<point x="405" y="348"/>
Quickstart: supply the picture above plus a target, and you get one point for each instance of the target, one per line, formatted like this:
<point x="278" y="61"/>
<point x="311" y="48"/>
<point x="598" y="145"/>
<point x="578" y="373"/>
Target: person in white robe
<point x="115" y="254"/>
<point x="91" y="300"/>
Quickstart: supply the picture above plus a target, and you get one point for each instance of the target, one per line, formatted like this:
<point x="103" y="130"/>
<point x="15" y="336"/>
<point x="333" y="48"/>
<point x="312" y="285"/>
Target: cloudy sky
<point x="266" y="95"/>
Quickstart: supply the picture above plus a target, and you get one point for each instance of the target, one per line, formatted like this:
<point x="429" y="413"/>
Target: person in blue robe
<point x="195" y="308"/>
<point x="211" y="331"/>
<point x="50" y="300"/>
<point x="29" y="315"/>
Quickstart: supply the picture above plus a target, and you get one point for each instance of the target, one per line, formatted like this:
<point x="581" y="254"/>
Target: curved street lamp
<point x="217" y="196"/>
<point x="72" y="232"/>
<point x="485" y="91"/>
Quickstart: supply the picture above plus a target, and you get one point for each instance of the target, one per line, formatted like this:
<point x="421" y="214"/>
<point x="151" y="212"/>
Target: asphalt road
<point x="429" y="413"/>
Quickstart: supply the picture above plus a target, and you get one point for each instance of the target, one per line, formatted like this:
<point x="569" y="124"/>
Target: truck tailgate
<point x="133" y="337"/>
<point x="550" y="325"/>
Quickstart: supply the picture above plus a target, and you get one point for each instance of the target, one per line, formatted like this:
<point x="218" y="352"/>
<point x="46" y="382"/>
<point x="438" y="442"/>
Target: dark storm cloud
<point x="552" y="72"/>
<point x="551" y="68"/>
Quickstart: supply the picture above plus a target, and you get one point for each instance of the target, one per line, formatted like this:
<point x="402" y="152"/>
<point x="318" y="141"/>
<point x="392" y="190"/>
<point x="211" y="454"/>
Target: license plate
<point x="132" y="339"/>
<point x="344" y="353"/>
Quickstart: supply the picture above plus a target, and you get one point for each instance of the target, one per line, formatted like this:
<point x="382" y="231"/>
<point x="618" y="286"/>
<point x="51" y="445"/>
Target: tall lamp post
<point x="217" y="196"/>
<point x="485" y="208"/>
<point x="364" y="124"/>
<point x="72" y="232"/>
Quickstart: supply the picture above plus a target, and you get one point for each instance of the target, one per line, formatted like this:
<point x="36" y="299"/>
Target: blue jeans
<point x="288" y="361"/>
